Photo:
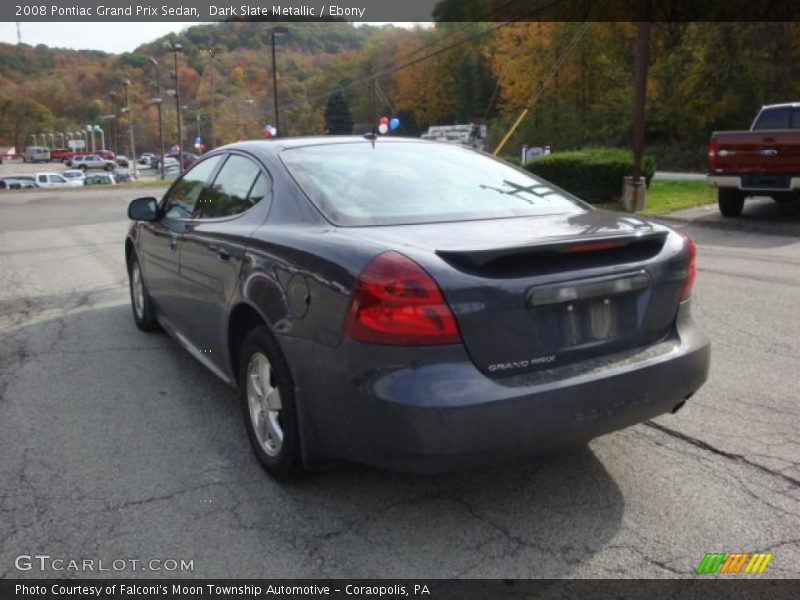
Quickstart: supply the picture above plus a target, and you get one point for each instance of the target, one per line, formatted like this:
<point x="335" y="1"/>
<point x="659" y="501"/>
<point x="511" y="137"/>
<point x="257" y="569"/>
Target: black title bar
<point x="399" y="11"/>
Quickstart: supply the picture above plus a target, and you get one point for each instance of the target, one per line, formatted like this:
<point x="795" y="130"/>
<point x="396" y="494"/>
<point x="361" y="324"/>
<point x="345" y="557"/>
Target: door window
<point x="57" y="179"/>
<point x="239" y="186"/>
<point x="183" y="196"/>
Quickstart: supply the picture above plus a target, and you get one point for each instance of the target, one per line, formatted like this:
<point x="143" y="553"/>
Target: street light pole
<point x="280" y="30"/>
<point x="125" y="85"/>
<point x="90" y="132"/>
<point x="174" y="47"/>
<point x="112" y="128"/>
<point x="158" y="102"/>
<point x="102" y="133"/>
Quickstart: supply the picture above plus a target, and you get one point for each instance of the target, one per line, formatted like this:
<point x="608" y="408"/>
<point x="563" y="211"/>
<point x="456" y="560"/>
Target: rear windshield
<point x="782" y="117"/>
<point x="392" y="183"/>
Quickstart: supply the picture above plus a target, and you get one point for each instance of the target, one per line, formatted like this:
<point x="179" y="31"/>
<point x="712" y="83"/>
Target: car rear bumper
<point x="737" y="182"/>
<point x="440" y="413"/>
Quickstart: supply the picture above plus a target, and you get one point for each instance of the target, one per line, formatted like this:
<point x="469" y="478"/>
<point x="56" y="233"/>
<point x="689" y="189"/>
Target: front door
<point x="213" y="250"/>
<point x="161" y="240"/>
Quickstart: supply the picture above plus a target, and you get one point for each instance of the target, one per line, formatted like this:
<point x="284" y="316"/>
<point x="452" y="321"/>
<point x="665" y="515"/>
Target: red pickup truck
<point x="764" y="161"/>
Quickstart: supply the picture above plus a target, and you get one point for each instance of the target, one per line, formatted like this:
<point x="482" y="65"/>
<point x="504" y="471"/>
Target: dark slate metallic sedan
<point x="413" y="305"/>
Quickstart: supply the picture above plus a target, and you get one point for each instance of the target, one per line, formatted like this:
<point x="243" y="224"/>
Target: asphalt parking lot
<point x="117" y="444"/>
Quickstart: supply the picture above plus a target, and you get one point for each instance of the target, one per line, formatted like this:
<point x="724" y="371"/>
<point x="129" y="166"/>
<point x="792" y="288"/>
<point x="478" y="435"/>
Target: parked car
<point x="92" y="161"/>
<point x="171" y="171"/>
<point x="188" y="159"/>
<point x="17" y="182"/>
<point x="144" y="158"/>
<point x="34" y="154"/>
<point x="106" y="154"/>
<point x="122" y="161"/>
<point x="764" y="161"/>
<point x="74" y="175"/>
<point x="123" y="175"/>
<point x="100" y="179"/>
<point x="413" y="305"/>
<point x="53" y="180"/>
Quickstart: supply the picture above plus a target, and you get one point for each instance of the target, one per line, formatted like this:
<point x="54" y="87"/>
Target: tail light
<point x="691" y="269"/>
<point x="396" y="302"/>
<point x="712" y="155"/>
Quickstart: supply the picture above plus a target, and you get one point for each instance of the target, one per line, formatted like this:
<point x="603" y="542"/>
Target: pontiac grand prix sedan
<point x="413" y="305"/>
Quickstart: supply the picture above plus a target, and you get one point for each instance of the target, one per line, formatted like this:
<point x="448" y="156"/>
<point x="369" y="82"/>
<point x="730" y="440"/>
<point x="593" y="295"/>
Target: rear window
<point x="783" y="117"/>
<point x="391" y="183"/>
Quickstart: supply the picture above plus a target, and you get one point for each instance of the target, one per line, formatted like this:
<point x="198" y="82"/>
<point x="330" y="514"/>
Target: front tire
<point x="268" y="405"/>
<point x="730" y="201"/>
<point x="142" y="307"/>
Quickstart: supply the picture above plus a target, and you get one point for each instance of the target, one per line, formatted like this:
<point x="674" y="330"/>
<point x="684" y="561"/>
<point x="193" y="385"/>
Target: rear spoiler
<point x="481" y="257"/>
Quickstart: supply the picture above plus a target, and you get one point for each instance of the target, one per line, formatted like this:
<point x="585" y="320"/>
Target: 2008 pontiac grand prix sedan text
<point x="413" y="305"/>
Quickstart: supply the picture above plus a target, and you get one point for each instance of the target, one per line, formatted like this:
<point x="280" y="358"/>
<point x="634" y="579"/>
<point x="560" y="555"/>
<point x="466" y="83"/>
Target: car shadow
<point x="190" y="480"/>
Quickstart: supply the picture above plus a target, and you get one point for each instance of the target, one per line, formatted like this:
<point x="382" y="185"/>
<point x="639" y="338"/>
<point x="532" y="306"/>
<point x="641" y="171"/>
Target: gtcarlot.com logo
<point x="46" y="562"/>
<point x="737" y="562"/>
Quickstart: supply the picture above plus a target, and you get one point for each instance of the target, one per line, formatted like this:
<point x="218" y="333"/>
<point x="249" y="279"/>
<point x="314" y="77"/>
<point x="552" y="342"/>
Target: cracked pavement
<point x="117" y="444"/>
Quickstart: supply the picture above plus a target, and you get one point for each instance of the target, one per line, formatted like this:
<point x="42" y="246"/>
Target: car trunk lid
<point x="538" y="292"/>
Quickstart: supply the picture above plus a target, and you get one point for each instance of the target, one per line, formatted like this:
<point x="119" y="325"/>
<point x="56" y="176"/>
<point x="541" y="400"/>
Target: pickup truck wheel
<point x="730" y="202"/>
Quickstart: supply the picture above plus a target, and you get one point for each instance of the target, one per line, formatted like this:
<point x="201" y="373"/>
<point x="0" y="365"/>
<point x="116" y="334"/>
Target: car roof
<point x="782" y="105"/>
<point x="274" y="146"/>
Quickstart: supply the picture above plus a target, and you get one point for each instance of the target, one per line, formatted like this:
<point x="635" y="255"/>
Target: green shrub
<point x="593" y="174"/>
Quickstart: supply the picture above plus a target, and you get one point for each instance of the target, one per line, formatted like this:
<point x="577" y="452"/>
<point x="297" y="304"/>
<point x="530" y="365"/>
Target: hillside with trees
<point x="575" y="78"/>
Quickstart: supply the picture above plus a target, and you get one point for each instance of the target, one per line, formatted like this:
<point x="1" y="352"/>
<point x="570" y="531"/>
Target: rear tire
<point x="143" y="314"/>
<point x="730" y="201"/>
<point x="268" y="405"/>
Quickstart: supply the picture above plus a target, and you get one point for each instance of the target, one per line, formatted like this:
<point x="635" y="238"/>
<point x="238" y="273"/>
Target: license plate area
<point x="766" y="182"/>
<point x="576" y="314"/>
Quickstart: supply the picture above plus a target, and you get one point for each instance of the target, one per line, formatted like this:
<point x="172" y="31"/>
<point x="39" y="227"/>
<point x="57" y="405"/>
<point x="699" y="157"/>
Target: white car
<point x="53" y="180"/>
<point x="74" y="175"/>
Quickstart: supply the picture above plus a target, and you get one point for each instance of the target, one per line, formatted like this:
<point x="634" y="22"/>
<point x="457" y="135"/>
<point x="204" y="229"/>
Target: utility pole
<point x="634" y="188"/>
<point x="640" y="86"/>
<point x="212" y="140"/>
<point x="279" y="30"/>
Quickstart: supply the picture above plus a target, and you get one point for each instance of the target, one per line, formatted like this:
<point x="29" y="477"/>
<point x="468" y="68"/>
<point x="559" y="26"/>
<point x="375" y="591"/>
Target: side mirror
<point x="143" y="209"/>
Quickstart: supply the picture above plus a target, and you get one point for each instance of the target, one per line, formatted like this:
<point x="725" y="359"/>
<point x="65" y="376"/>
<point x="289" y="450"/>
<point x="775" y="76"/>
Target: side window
<point x="42" y="178"/>
<point x="234" y="190"/>
<point x="184" y="195"/>
<point x="57" y="179"/>
<point x="773" y="118"/>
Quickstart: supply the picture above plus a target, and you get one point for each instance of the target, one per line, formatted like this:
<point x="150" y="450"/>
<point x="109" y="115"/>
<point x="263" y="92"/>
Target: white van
<point x="35" y="154"/>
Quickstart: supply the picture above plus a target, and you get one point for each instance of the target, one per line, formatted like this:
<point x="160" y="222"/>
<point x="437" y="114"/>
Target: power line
<point x="540" y="89"/>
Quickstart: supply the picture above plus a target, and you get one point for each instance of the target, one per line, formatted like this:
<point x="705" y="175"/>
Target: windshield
<point x="403" y="183"/>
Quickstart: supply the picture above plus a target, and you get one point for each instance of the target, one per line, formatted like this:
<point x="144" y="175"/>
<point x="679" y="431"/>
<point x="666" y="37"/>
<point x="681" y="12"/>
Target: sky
<point x="110" y="37"/>
<point x="113" y="37"/>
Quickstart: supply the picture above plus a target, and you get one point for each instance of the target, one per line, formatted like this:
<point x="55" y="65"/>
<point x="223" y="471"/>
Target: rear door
<point x="214" y="244"/>
<point x="160" y="240"/>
